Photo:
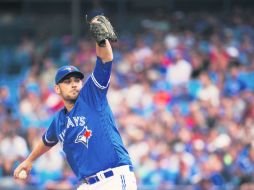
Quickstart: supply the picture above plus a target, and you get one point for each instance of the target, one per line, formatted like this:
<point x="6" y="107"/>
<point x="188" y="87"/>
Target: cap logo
<point x="69" y="68"/>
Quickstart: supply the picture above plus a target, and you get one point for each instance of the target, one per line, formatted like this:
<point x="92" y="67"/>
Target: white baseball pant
<point x="122" y="179"/>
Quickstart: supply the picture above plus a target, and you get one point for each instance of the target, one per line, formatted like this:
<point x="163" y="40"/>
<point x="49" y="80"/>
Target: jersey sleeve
<point x="95" y="89"/>
<point x="49" y="138"/>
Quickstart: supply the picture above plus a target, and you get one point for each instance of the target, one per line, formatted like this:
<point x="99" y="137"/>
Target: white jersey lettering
<point x="69" y="123"/>
<point x="76" y="120"/>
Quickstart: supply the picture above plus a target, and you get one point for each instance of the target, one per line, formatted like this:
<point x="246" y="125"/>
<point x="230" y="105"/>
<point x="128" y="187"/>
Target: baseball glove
<point x="101" y="29"/>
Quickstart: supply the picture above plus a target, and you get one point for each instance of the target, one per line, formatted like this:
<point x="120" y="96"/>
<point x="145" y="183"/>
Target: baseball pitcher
<point x="85" y="127"/>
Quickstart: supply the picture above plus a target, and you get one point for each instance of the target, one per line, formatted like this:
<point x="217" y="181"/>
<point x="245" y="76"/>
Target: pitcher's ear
<point x="57" y="89"/>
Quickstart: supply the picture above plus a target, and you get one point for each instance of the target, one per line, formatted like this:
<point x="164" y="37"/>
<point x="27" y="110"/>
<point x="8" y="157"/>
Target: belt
<point x="102" y="175"/>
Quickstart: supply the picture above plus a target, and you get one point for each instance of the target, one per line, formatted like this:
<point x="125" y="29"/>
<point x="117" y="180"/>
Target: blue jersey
<point x="88" y="133"/>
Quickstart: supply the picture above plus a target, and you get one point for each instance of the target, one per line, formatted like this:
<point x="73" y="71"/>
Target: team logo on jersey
<point x="84" y="136"/>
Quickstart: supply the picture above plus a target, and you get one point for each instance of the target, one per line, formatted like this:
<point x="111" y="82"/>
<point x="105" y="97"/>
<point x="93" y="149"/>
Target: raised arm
<point x="105" y="53"/>
<point x="26" y="165"/>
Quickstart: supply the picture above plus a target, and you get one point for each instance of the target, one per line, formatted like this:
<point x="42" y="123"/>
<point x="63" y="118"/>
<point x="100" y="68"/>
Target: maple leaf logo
<point x="84" y="136"/>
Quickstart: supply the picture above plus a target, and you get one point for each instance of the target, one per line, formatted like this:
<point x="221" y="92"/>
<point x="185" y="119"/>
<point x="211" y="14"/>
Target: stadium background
<point x="181" y="88"/>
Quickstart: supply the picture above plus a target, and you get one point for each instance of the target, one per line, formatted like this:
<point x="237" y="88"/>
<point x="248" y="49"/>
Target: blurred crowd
<point x="181" y="90"/>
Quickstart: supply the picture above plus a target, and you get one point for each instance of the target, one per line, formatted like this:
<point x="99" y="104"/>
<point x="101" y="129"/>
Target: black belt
<point x="94" y="179"/>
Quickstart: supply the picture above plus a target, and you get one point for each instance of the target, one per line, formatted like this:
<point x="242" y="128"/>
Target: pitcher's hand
<point x="26" y="166"/>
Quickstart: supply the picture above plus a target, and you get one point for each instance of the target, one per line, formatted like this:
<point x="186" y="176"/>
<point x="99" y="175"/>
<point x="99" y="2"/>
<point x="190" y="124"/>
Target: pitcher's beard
<point x="71" y="99"/>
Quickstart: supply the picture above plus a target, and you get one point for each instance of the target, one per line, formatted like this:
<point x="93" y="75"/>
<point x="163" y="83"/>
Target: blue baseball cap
<point x="66" y="70"/>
